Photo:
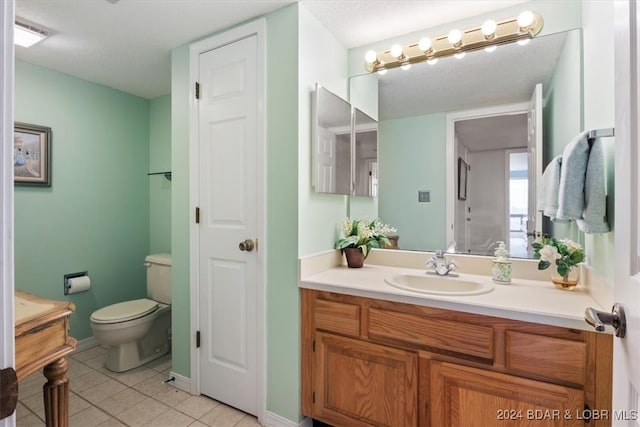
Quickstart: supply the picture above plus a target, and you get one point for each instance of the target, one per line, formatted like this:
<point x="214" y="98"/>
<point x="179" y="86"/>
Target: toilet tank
<point x="159" y="277"/>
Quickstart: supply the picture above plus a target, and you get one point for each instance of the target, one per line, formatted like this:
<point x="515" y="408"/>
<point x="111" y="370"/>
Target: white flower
<point x="549" y="253"/>
<point x="571" y="245"/>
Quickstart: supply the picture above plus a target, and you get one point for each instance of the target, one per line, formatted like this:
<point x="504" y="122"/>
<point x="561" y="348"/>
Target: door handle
<point x="247" y="245"/>
<point x="598" y="319"/>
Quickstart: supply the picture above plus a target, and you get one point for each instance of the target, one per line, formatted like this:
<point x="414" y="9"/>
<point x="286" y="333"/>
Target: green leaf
<point x="542" y="265"/>
<point x="563" y="269"/>
<point x="577" y="256"/>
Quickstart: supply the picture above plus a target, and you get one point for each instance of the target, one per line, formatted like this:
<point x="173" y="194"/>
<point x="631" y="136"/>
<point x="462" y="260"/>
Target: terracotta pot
<point x="355" y="257"/>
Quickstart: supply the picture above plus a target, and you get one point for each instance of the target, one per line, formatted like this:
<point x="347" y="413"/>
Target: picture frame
<point x="31" y="155"/>
<point x="462" y="179"/>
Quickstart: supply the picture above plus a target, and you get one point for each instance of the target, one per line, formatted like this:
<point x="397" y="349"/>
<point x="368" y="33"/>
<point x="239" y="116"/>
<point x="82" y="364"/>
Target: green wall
<point x="411" y="153"/>
<point x="159" y="186"/>
<point x="94" y="217"/>
<point x="599" y="112"/>
<point x="562" y="117"/>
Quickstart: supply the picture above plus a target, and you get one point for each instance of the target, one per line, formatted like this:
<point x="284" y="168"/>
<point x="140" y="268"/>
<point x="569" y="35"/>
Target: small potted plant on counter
<point x="359" y="236"/>
<point x="565" y="254"/>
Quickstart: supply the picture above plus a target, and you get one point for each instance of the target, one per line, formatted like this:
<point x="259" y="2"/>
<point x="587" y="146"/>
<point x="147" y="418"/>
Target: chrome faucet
<point x="440" y="265"/>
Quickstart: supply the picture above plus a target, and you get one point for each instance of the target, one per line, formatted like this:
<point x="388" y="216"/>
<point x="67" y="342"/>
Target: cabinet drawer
<point x="434" y="333"/>
<point x="337" y="317"/>
<point x="548" y="357"/>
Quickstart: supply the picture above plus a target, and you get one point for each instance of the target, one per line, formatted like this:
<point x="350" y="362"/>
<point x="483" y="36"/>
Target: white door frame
<point x="7" y="331"/>
<point x="450" y="166"/>
<point x="257" y="28"/>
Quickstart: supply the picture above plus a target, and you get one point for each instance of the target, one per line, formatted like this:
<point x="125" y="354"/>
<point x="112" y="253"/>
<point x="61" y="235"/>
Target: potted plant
<point x="565" y="254"/>
<point x="359" y="236"/>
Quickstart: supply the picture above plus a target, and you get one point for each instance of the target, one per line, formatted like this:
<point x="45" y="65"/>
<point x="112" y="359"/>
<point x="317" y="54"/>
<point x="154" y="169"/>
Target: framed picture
<point x="462" y="179"/>
<point x="31" y="155"/>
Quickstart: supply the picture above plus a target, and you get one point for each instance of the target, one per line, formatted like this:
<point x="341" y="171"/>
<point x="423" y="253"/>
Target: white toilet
<point x="138" y="331"/>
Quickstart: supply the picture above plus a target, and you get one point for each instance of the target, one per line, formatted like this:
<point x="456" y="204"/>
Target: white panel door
<point x="7" y="345"/>
<point x="534" y="147"/>
<point x="228" y="287"/>
<point x="626" y="351"/>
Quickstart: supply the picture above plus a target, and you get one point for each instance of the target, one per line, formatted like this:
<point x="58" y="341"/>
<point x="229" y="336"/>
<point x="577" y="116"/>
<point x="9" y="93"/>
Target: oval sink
<point x="438" y="285"/>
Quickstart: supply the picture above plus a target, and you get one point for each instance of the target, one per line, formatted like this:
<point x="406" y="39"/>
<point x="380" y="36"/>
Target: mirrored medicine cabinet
<point x="344" y="147"/>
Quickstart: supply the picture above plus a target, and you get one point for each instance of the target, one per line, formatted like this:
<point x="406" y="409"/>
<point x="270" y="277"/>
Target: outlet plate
<point x="424" y="196"/>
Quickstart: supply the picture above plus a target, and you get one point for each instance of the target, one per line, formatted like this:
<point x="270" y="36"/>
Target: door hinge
<point x="197" y="90"/>
<point x="313" y="346"/>
<point x="197" y="339"/>
<point x="197" y="215"/>
<point x="313" y="397"/>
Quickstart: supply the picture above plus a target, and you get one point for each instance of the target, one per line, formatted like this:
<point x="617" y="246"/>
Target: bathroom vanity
<point x="373" y="354"/>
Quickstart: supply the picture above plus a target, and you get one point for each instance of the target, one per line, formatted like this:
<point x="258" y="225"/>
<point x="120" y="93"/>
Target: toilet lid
<point x="124" y="311"/>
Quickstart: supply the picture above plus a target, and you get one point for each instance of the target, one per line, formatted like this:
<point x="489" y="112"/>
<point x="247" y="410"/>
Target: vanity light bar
<point x="506" y="31"/>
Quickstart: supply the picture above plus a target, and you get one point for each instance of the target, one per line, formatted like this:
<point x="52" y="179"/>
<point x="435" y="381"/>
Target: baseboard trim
<point x="275" y="420"/>
<point x="180" y="382"/>
<point x="86" y="344"/>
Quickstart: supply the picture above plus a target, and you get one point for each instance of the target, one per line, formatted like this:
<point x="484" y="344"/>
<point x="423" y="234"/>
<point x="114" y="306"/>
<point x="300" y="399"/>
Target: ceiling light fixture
<point x="27" y="35"/>
<point x="523" y="27"/>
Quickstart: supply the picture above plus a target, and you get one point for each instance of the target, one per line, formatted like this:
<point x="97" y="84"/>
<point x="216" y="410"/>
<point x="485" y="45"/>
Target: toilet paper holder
<point x="71" y="276"/>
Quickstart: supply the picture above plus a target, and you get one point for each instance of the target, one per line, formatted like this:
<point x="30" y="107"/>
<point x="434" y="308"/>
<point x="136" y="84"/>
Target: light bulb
<point x="489" y="28"/>
<point x="370" y="56"/>
<point x="424" y="44"/>
<point x="454" y="37"/>
<point x="525" y="19"/>
<point x="405" y="66"/>
<point x="432" y="61"/>
<point x="382" y="72"/>
<point x="523" y="42"/>
<point x="459" y="55"/>
<point x="490" y="48"/>
<point x="396" y="51"/>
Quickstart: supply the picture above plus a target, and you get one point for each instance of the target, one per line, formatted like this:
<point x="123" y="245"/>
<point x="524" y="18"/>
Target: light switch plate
<point x="424" y="196"/>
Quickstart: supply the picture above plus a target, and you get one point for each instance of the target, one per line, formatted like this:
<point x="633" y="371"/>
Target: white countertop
<point x="526" y="300"/>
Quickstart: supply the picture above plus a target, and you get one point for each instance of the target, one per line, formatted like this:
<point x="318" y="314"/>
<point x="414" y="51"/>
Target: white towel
<point x="572" y="176"/>
<point x="594" y="217"/>
<point x="549" y="188"/>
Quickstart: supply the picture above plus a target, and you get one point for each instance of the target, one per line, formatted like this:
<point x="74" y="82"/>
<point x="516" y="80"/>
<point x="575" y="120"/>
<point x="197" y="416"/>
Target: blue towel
<point x="572" y="176"/>
<point x="594" y="216"/>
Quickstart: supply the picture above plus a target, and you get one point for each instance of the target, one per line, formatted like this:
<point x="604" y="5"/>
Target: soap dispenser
<point x="501" y="265"/>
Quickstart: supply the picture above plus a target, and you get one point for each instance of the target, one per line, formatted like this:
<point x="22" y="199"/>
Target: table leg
<point x="56" y="394"/>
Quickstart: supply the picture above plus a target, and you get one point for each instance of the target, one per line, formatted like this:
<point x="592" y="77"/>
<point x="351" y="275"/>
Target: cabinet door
<point x="357" y="383"/>
<point x="465" y="396"/>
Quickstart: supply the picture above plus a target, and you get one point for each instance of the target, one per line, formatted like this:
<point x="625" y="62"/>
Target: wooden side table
<point x="42" y="340"/>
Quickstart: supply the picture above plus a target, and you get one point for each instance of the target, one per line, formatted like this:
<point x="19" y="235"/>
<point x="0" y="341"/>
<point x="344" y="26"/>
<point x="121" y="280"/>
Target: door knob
<point x="598" y="319"/>
<point x="247" y="245"/>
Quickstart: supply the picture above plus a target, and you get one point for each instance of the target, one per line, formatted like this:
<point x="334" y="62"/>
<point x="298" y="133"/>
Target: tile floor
<point x="138" y="397"/>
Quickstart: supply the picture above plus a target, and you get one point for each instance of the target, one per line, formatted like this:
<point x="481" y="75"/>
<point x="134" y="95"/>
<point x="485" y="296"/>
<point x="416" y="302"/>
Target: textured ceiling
<point x="126" y="45"/>
<point x="493" y="133"/>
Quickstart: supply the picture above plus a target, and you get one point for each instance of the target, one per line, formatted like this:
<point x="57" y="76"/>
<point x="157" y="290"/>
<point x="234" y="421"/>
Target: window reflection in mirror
<point x="332" y="143"/>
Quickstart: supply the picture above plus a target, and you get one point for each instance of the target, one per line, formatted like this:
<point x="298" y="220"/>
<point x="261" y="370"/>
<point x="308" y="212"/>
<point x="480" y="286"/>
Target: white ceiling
<point x="493" y="133"/>
<point x="126" y="45"/>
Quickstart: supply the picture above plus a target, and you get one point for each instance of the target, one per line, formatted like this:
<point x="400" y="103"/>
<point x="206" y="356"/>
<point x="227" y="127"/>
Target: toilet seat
<point x="124" y="311"/>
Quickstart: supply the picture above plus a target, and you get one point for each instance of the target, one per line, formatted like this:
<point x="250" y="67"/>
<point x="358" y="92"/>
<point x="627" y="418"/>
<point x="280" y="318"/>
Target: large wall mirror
<point x="415" y="107"/>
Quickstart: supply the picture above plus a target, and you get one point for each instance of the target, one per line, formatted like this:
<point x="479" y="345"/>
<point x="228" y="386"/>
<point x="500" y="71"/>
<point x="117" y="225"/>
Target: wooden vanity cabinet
<point x="373" y="362"/>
